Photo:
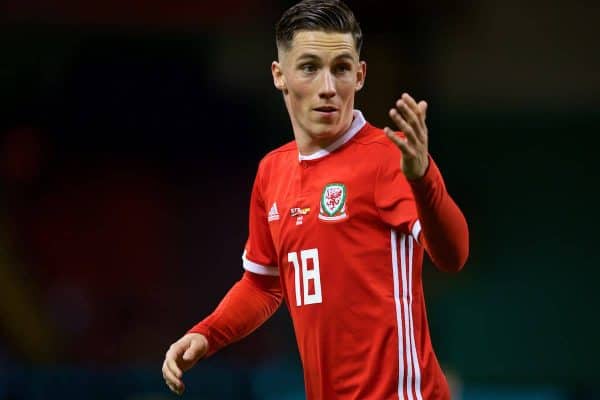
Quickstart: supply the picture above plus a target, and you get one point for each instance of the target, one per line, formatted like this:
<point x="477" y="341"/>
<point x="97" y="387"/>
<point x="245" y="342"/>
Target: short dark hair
<point x="317" y="15"/>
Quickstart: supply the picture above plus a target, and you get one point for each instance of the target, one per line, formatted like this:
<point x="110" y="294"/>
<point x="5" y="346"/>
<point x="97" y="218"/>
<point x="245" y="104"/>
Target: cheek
<point x="347" y="88"/>
<point x="301" y="99"/>
<point x="299" y="105"/>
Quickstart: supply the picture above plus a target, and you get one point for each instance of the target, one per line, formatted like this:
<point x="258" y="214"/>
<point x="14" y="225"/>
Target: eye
<point x="341" y="68"/>
<point x="308" y="68"/>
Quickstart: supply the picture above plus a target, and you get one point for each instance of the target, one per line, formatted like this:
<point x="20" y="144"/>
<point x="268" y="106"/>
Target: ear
<point x="278" y="77"/>
<point x="361" y="75"/>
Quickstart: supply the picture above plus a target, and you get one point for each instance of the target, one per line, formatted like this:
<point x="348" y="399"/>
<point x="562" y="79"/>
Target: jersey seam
<point x="282" y="149"/>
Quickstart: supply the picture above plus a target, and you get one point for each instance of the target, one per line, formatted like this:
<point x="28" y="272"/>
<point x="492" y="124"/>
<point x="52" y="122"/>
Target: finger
<point x="403" y="125"/>
<point x="409" y="115"/>
<point x="401" y="142"/>
<point x="423" y="133"/>
<point x="196" y="350"/>
<point x="180" y="389"/>
<point x="177" y="388"/>
<point x="174" y="368"/>
<point x="169" y="376"/>
<point x="190" y="354"/>
<point x="410" y="102"/>
<point x="423" y="111"/>
<point x="419" y="109"/>
<point x="171" y="387"/>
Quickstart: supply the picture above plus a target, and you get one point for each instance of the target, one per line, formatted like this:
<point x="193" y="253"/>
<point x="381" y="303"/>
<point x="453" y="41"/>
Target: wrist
<point x="419" y="175"/>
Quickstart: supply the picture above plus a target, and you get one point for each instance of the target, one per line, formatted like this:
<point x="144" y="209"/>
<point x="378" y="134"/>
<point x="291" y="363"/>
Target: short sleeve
<point x="259" y="254"/>
<point x="393" y="195"/>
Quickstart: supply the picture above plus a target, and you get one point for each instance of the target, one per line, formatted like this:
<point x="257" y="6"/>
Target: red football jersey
<point x="340" y="228"/>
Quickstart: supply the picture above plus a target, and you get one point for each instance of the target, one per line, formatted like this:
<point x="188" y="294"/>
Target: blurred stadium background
<point x="129" y="136"/>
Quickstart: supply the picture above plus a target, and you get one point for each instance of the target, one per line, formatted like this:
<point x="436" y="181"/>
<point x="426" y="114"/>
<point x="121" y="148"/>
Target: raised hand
<point x="410" y="119"/>
<point x="181" y="356"/>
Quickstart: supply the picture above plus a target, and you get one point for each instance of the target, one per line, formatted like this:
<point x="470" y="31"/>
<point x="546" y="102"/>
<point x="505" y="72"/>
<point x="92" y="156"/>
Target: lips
<point x="326" y="109"/>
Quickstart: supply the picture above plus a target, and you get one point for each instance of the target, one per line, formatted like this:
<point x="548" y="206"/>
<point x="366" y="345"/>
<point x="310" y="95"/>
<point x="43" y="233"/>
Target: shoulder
<point x="373" y="136"/>
<point x="285" y="150"/>
<point x="278" y="157"/>
<point x="373" y="141"/>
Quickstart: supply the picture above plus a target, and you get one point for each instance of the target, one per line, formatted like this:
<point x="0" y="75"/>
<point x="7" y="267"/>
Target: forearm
<point x="247" y="305"/>
<point x="445" y="234"/>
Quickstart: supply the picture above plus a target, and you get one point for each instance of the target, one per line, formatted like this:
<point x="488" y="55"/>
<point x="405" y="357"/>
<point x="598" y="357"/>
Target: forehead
<point x="322" y="44"/>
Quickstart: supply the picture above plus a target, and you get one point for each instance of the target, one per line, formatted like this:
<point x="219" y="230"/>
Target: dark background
<point x="130" y="133"/>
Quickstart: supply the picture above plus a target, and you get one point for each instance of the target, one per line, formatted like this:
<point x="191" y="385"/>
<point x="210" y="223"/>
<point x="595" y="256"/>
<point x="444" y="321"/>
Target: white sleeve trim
<point x="257" y="268"/>
<point x="416" y="230"/>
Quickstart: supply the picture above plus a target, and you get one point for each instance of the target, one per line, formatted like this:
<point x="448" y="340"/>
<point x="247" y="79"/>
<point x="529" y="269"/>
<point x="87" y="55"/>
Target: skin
<point x="320" y="69"/>
<point x="409" y="116"/>
<point x="181" y="356"/>
<point x="324" y="69"/>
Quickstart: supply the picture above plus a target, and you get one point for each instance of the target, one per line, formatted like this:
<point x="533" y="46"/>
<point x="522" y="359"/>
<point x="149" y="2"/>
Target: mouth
<point x="326" y="109"/>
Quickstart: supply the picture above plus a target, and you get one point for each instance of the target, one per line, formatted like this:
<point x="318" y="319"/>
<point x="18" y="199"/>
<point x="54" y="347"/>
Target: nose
<point x="327" y="86"/>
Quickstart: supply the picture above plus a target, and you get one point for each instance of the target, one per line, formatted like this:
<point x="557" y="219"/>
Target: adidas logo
<point x="273" y="213"/>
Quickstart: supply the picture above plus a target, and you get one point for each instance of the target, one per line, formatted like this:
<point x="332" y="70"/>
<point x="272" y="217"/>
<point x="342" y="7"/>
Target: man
<point x="339" y="221"/>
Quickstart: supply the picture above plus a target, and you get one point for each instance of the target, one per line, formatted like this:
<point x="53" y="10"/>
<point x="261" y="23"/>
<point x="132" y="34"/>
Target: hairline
<point x="285" y="47"/>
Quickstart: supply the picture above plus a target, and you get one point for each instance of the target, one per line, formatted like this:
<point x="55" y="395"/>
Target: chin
<point x="327" y="129"/>
<point x="326" y="133"/>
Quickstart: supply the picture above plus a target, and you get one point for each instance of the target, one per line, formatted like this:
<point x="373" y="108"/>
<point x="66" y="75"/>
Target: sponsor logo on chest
<point x="299" y="213"/>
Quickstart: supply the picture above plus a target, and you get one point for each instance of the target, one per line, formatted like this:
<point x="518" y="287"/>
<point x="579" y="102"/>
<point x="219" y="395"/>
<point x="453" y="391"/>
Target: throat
<point x="308" y="145"/>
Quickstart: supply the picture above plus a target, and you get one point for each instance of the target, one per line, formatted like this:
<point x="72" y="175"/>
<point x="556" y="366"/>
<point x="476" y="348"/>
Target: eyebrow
<point x="311" y="56"/>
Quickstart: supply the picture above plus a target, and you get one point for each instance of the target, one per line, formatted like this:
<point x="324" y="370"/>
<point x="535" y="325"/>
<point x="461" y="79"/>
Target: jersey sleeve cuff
<point x="416" y="230"/>
<point x="427" y="184"/>
<point x="431" y="173"/>
<point x="258" y="268"/>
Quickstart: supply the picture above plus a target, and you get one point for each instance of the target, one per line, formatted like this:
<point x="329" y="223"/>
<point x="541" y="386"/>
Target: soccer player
<point x="339" y="222"/>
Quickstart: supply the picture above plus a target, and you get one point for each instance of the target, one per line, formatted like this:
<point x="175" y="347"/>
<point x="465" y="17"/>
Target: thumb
<point x="198" y="348"/>
<point x="401" y="142"/>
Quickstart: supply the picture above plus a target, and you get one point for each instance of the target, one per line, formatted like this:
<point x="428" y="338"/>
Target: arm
<point x="247" y="305"/>
<point x="444" y="230"/>
<point x="444" y="233"/>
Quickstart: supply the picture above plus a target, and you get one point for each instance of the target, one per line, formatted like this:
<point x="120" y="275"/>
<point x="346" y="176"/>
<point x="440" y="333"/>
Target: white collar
<point x="357" y="124"/>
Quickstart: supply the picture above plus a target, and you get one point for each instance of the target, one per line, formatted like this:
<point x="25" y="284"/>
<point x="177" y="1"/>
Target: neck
<point x="308" y="144"/>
